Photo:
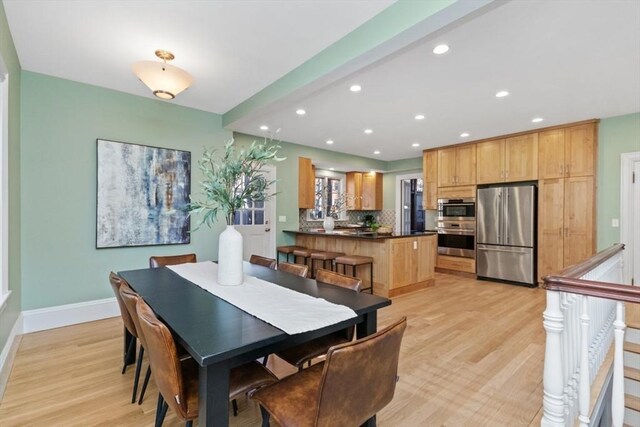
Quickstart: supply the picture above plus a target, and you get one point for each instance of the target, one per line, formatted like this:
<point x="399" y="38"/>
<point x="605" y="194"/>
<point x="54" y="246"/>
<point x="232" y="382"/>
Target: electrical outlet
<point x="282" y="218"/>
<point x="615" y="223"/>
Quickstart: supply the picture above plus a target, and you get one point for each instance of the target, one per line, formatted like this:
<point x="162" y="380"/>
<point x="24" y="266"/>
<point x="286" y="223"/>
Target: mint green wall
<point x="60" y="123"/>
<point x="10" y="313"/>
<point x="616" y="135"/>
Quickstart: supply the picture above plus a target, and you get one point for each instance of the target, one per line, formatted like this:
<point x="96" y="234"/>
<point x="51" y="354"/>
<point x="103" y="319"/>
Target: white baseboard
<point x="9" y="353"/>
<point x="70" y="314"/>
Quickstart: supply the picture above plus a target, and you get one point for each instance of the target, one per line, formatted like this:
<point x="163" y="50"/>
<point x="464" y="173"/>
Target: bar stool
<point x="303" y="253"/>
<point x="287" y="250"/>
<point x="323" y="256"/>
<point x="354" y="261"/>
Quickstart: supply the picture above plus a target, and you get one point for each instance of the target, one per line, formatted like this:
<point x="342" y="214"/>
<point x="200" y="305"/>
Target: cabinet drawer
<point x="455" y="263"/>
<point x="457" y="192"/>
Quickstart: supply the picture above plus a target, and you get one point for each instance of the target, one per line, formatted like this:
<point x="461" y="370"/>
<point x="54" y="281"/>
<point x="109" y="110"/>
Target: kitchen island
<point x="401" y="262"/>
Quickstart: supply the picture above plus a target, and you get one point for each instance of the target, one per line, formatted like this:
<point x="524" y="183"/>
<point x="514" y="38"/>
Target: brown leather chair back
<point x="297" y="269"/>
<point x="116" y="283"/>
<point x="265" y="262"/>
<point x="337" y="279"/>
<point x="163" y="358"/>
<point x="351" y="391"/>
<point x="161" y="261"/>
<point x="130" y="299"/>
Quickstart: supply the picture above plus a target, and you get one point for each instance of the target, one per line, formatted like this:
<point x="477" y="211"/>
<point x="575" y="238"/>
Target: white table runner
<point x="288" y="310"/>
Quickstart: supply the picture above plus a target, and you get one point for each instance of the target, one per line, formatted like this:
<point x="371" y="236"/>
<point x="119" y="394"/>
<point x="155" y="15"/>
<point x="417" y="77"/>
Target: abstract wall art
<point x="142" y="195"/>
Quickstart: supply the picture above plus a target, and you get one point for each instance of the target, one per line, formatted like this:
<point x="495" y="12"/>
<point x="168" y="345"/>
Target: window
<point x="329" y="198"/>
<point x="4" y="186"/>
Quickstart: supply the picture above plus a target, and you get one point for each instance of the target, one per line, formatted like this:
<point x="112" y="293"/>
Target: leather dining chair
<point x="303" y="353"/>
<point x="177" y="379"/>
<point x="355" y="382"/>
<point x="296" y="269"/>
<point x="118" y="283"/>
<point x="263" y="261"/>
<point x="161" y="261"/>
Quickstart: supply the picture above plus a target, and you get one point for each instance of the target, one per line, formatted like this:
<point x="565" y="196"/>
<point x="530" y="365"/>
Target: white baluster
<point x="552" y="402"/>
<point x="585" y="379"/>
<point x="617" y="395"/>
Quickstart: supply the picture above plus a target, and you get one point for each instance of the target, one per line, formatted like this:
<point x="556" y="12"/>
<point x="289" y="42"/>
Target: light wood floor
<point x="472" y="355"/>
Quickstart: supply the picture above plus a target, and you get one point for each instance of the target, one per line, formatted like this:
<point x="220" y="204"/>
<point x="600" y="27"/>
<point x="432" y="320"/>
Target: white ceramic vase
<point x="328" y="224"/>
<point x="230" y="257"/>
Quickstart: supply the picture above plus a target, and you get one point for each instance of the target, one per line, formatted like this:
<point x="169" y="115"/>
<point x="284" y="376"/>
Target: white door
<point x="255" y="223"/>
<point x="635" y="221"/>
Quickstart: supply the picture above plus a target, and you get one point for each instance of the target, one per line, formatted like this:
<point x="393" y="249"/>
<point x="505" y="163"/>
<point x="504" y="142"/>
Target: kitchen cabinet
<point x="568" y="152"/>
<point x="430" y="180"/>
<point x="566" y="223"/>
<point x="306" y="183"/>
<point x="457" y="166"/>
<point x="507" y="160"/>
<point x="461" y="192"/>
<point x="455" y="263"/>
<point x="412" y="260"/>
<point x="366" y="188"/>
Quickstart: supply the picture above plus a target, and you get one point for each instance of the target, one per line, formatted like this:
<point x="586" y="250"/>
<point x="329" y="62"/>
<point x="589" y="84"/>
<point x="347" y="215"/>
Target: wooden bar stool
<point x="354" y="261"/>
<point x="303" y="253"/>
<point x="287" y="250"/>
<point x="323" y="256"/>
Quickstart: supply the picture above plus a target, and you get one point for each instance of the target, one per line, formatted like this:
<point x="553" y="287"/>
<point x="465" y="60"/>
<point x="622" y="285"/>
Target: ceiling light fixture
<point x="376" y="152"/>
<point x="368" y="131"/>
<point x="537" y="120"/>
<point x="440" y="49"/>
<point x="300" y="112"/>
<point x="419" y="117"/>
<point x="464" y="134"/>
<point x="415" y="144"/>
<point x="355" y="88"/>
<point x="165" y="80"/>
<point x="502" y="94"/>
<point x="264" y="127"/>
<point x="329" y="141"/>
<point x="332" y="169"/>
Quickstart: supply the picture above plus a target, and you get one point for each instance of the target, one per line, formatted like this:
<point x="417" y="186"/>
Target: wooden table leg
<point x="367" y="327"/>
<point x="213" y="392"/>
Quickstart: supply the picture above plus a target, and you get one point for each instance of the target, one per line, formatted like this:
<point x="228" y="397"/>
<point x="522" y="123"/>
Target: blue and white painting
<point x="143" y="194"/>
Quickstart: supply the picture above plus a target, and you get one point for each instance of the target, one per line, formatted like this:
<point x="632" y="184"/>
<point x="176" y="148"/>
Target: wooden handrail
<point x="578" y="270"/>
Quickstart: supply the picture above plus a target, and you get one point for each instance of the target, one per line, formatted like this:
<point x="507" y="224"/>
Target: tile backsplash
<point x="385" y="216"/>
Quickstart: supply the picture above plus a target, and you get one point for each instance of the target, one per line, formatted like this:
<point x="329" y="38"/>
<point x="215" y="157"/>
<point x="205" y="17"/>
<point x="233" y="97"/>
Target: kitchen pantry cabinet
<point x="457" y="166"/>
<point x="568" y="152"/>
<point x="507" y="160"/>
<point x="306" y="183"/>
<point x="366" y="187"/>
<point x="430" y="179"/>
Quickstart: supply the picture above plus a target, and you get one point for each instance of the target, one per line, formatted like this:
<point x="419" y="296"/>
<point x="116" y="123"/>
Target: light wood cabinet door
<point x="551" y="201"/>
<point x="446" y="167"/>
<point x="427" y="251"/>
<point x="580" y="150"/>
<point x="490" y="161"/>
<point x="521" y="158"/>
<point x="306" y="184"/>
<point x="371" y="191"/>
<point x="578" y="219"/>
<point x="466" y="165"/>
<point x="551" y="154"/>
<point x="354" y="190"/>
<point x="403" y="262"/>
<point x="430" y="178"/>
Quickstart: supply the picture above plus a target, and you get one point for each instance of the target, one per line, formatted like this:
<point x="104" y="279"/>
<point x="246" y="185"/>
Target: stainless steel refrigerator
<point x="505" y="235"/>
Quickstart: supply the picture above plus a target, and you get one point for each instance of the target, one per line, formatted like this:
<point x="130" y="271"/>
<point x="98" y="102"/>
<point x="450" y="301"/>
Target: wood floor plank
<point x="472" y="355"/>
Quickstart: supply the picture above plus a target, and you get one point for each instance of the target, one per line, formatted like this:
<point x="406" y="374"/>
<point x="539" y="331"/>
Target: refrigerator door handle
<point x="507" y="226"/>
<point x="502" y="250"/>
<point x="500" y="204"/>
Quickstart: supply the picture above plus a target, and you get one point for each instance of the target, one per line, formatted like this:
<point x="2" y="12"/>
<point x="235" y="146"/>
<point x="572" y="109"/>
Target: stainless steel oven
<point x="457" y="209"/>
<point x="457" y="238"/>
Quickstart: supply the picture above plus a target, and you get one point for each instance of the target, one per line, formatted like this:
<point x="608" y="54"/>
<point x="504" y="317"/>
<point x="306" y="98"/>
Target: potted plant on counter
<point x="229" y="180"/>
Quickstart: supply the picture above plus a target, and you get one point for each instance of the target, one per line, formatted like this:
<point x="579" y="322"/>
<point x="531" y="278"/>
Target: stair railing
<point x="584" y="314"/>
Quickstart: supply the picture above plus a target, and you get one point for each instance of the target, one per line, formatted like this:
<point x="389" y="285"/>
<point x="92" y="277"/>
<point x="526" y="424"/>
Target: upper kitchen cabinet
<point x="568" y="152"/>
<point x="457" y="166"/>
<point x="366" y="187"/>
<point x="508" y="160"/>
<point x="430" y="178"/>
<point x="306" y="183"/>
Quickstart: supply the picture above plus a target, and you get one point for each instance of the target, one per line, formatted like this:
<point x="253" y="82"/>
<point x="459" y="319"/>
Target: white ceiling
<point x="564" y="60"/>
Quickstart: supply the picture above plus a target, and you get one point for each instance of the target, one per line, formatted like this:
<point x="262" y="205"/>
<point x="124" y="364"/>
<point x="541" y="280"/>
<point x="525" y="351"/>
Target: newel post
<point x="617" y="392"/>
<point x="552" y="403"/>
<point x="584" y="389"/>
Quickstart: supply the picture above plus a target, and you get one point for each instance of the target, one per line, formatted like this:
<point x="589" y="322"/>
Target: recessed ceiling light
<point x="376" y="152"/>
<point x="368" y="131"/>
<point x="264" y="127"/>
<point x="464" y="134"/>
<point x="502" y="94"/>
<point x="415" y="144"/>
<point x="329" y="141"/>
<point x="419" y="116"/>
<point x="537" y="120"/>
<point x="300" y="112"/>
<point x="355" y="88"/>
<point x="440" y="49"/>
<point x="332" y="169"/>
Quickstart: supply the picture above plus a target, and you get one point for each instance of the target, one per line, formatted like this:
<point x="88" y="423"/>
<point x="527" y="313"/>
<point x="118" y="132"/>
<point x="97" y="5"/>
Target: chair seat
<point x="354" y="260"/>
<point x="325" y="256"/>
<point x="249" y="377"/>
<point x="288" y="249"/>
<point x="292" y="400"/>
<point x="306" y="253"/>
<point x="299" y="355"/>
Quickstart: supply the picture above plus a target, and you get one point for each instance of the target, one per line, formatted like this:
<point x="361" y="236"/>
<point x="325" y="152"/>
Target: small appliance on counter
<point x="506" y="218"/>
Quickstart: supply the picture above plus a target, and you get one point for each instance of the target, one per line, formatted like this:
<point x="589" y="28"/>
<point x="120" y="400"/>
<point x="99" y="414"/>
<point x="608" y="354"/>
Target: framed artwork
<point x="142" y="195"/>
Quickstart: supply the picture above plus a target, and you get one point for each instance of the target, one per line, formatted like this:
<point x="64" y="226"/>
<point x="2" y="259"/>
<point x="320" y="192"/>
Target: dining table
<point x="219" y="336"/>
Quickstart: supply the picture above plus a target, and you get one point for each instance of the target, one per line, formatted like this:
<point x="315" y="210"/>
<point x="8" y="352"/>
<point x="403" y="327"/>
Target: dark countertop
<point x="352" y="234"/>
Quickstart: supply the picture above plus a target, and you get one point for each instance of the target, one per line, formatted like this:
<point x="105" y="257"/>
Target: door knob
<point x="266" y="230"/>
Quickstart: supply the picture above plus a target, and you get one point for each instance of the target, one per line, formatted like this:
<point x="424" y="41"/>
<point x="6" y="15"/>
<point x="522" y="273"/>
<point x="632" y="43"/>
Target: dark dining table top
<point x="213" y="330"/>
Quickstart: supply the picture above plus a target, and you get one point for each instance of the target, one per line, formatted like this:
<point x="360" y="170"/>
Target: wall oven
<point x="457" y="227"/>
<point x="457" y="209"/>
